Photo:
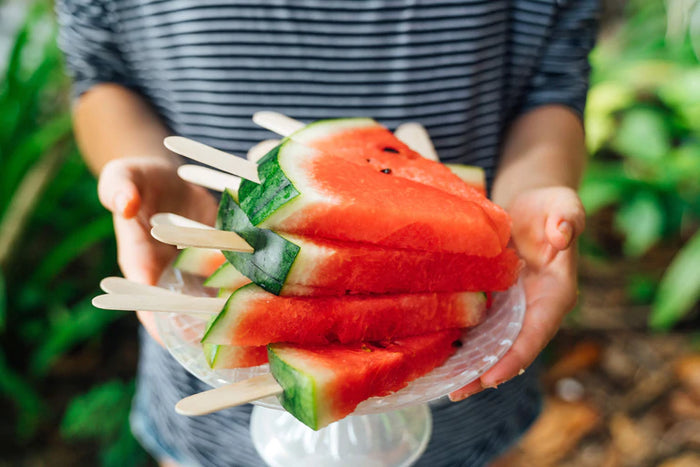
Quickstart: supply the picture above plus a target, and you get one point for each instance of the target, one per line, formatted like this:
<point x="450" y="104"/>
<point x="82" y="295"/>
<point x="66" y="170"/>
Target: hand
<point x="546" y="222"/>
<point x="134" y="189"/>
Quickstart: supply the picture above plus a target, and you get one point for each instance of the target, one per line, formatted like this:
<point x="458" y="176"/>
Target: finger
<point x="466" y="391"/>
<point x="140" y="257"/>
<point x="566" y="219"/>
<point x="117" y="190"/>
<point x="552" y="296"/>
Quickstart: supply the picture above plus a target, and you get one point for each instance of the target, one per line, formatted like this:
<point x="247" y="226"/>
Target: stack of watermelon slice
<point x="368" y="262"/>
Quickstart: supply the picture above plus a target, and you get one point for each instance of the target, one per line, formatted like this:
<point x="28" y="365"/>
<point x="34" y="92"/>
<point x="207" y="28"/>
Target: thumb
<point x="565" y="221"/>
<point x="118" y="191"/>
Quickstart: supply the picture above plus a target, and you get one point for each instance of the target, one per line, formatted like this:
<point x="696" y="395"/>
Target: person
<point x="499" y="83"/>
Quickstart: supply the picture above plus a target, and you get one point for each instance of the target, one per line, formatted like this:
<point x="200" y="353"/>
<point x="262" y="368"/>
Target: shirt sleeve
<point x="563" y="72"/>
<point x="88" y="40"/>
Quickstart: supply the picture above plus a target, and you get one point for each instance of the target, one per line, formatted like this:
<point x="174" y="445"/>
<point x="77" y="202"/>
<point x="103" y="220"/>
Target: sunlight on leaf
<point x="108" y="403"/>
<point x="643" y="134"/>
<point x="3" y="302"/>
<point x="642" y="221"/>
<point x="679" y="289"/>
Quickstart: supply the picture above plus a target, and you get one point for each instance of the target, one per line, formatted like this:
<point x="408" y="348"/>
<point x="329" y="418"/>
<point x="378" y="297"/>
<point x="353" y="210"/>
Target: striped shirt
<point x="463" y="68"/>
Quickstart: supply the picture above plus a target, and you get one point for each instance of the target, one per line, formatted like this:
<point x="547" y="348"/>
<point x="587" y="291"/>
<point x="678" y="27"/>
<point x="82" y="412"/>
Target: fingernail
<point x="566" y="230"/>
<point x="490" y="386"/>
<point x="121" y="201"/>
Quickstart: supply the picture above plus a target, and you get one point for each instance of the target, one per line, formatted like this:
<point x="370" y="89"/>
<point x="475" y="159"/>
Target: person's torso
<point x="457" y="67"/>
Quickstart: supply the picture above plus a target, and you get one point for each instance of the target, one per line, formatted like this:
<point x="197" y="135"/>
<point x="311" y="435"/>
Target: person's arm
<point x="112" y="122"/>
<point x="545" y="147"/>
<point x="542" y="163"/>
<point x="121" y="139"/>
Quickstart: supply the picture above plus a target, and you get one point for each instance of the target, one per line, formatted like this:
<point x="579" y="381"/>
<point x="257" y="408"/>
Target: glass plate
<point x="483" y="346"/>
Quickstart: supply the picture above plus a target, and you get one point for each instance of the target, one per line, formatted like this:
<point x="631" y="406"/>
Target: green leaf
<point x="3" y="302"/>
<point x="643" y="134"/>
<point x="642" y="221"/>
<point x="99" y="413"/>
<point x="125" y="450"/>
<point x="30" y="406"/>
<point x="72" y="247"/>
<point x="36" y="145"/>
<point x="67" y="329"/>
<point x="679" y="288"/>
<point x="597" y="194"/>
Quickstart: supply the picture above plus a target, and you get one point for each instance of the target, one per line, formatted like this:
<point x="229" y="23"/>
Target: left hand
<point x="546" y="222"/>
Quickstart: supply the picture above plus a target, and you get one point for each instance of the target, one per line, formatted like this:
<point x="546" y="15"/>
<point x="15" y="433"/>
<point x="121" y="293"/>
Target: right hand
<point x="134" y="189"/>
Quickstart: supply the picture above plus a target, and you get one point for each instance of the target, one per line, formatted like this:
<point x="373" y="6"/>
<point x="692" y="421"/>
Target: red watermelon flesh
<point x="220" y="357"/>
<point x="366" y="142"/>
<point x="362" y="268"/>
<point x="323" y="384"/>
<point x="326" y="268"/>
<point x="342" y="200"/>
<point x="199" y="261"/>
<point x="254" y="317"/>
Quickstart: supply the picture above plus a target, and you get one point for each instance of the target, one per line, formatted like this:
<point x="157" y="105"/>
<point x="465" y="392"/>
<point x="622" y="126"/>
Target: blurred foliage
<point x="55" y="242"/>
<point x="643" y="132"/>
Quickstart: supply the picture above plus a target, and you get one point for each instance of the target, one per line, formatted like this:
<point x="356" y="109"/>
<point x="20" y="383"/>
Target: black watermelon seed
<point x="391" y="150"/>
<point x="386" y="171"/>
<point x="457" y="344"/>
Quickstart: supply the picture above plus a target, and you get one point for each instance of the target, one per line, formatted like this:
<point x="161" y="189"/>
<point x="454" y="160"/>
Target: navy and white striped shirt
<point x="463" y="68"/>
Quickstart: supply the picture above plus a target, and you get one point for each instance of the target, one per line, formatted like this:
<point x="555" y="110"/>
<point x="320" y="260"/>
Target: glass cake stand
<point x="383" y="431"/>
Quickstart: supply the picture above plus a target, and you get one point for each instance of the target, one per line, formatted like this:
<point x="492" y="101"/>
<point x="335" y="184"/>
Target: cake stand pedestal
<point x="388" y="439"/>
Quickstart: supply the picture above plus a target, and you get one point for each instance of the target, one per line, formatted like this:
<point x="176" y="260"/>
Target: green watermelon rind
<point x="190" y="260"/>
<point x="300" y="394"/>
<point x="471" y="175"/>
<point x="211" y="351"/>
<point x="214" y="326"/>
<point x="275" y="189"/>
<point x="222" y="357"/>
<point x="330" y="127"/>
<point x="226" y="276"/>
<point x="269" y="265"/>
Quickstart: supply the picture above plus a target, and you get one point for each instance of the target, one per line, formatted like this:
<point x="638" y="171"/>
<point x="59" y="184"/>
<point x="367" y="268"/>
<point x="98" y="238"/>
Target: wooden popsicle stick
<point x="180" y="304"/>
<point x="276" y="122"/>
<point x="259" y="150"/>
<point x="229" y="396"/>
<point x="200" y="238"/>
<point x="208" y="178"/>
<point x="120" y="285"/>
<point x="169" y="218"/>
<point x="213" y="157"/>
<point x="416" y="137"/>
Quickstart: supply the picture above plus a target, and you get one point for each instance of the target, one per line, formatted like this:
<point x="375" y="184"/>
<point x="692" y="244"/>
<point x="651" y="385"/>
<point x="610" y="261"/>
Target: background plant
<point x="55" y="243"/>
<point x="643" y="124"/>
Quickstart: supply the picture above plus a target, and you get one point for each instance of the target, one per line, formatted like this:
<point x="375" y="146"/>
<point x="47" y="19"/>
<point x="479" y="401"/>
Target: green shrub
<point x="56" y="241"/>
<point x="643" y="131"/>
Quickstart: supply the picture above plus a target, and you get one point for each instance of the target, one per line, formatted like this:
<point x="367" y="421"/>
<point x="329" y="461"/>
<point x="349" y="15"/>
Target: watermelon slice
<point x="306" y="192"/>
<point x="253" y="317"/>
<point x="471" y="175"/>
<point x="226" y="276"/>
<point x="366" y="142"/>
<point x="199" y="261"/>
<point x="323" y="384"/>
<point x="283" y="263"/>
<point x="221" y="357"/>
